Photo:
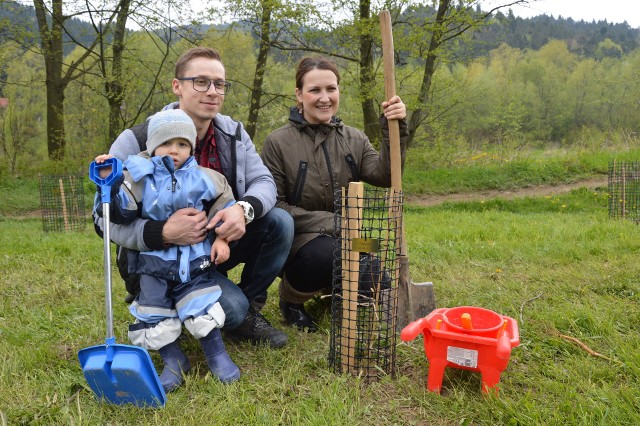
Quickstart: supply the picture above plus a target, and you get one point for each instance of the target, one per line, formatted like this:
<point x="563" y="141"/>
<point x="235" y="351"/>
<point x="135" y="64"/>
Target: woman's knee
<point x="312" y="268"/>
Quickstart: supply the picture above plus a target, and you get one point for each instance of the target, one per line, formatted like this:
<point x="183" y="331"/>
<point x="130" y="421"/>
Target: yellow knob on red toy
<point x="465" y="321"/>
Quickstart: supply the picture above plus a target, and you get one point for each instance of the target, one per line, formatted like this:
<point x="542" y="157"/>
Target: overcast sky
<point x="614" y="11"/>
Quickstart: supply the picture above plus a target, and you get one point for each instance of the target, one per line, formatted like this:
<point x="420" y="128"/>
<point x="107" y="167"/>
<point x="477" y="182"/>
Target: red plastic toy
<point x="466" y="337"/>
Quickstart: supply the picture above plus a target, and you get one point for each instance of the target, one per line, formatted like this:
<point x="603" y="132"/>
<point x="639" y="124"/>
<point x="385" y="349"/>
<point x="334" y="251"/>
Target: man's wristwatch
<point x="248" y="211"/>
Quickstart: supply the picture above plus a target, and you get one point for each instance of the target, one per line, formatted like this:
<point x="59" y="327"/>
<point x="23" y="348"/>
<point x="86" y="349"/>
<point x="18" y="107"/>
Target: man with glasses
<point x="201" y="84"/>
<point x="261" y="234"/>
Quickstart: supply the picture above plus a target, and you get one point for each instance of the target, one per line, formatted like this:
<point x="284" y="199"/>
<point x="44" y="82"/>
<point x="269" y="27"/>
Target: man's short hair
<point x="194" y="52"/>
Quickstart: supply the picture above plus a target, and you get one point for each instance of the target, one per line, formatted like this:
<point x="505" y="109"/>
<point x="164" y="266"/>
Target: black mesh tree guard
<point x="62" y="203"/>
<point x="365" y="281"/>
<point x="624" y="190"/>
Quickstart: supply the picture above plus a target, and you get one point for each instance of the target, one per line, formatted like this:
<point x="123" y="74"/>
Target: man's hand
<point x="233" y="227"/>
<point x="186" y="226"/>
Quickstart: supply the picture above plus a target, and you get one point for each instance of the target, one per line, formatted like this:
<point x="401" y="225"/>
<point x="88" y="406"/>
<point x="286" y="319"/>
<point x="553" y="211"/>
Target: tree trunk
<point x="51" y="43"/>
<point x="51" y="27"/>
<point x="261" y="66"/>
<point x="420" y="113"/>
<point x="367" y="75"/>
<point x="55" y="122"/>
<point x="113" y="84"/>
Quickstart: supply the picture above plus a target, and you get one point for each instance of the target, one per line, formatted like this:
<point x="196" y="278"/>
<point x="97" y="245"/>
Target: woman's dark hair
<point x="311" y="63"/>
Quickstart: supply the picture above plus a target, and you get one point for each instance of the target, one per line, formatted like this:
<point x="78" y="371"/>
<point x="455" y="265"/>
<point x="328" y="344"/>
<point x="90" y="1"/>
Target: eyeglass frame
<point x="227" y="85"/>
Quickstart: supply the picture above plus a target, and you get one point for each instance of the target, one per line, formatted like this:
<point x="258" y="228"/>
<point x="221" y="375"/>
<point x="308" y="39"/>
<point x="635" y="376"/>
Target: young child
<point x="178" y="284"/>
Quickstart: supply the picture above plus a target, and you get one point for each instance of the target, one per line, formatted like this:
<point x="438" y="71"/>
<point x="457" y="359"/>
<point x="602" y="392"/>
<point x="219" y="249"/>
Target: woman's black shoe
<point x="294" y="314"/>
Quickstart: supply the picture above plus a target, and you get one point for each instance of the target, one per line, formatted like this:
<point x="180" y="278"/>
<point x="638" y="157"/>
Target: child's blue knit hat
<point x="169" y="124"/>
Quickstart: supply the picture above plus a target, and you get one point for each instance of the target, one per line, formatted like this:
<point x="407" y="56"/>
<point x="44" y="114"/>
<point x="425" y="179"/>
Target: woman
<point x="310" y="158"/>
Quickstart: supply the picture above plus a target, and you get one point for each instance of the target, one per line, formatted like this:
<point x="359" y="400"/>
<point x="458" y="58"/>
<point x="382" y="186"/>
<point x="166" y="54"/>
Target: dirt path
<point x="432" y="200"/>
<point x="534" y="191"/>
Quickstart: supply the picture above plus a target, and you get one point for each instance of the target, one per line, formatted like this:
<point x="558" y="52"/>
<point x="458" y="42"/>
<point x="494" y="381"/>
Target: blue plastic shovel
<point x="117" y="374"/>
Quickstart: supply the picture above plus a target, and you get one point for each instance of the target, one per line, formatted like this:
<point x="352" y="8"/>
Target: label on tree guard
<point x="463" y="357"/>
<point x="365" y="244"/>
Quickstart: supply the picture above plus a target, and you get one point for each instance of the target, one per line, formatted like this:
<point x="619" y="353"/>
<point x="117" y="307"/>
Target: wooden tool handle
<point x="390" y="92"/>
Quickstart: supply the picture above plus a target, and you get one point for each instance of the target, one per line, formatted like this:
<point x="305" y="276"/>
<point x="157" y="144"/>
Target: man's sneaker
<point x="294" y="314"/>
<point x="256" y="329"/>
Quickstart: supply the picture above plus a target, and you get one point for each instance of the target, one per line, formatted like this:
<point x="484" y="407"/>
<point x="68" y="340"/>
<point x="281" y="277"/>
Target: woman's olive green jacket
<point x="310" y="162"/>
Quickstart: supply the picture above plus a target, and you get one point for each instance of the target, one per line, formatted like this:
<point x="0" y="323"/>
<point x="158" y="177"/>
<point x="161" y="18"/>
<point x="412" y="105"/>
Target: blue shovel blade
<point x="122" y="374"/>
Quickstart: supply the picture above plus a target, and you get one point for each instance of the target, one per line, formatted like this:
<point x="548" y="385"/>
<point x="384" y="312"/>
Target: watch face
<point x="248" y="211"/>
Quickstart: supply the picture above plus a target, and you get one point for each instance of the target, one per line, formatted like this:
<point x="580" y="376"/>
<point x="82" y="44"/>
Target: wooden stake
<point x="351" y="274"/>
<point x="64" y="206"/>
<point x="344" y="339"/>
<point x="624" y="189"/>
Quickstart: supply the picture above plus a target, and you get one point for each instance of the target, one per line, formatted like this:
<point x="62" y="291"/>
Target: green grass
<point x="22" y="196"/>
<point x="528" y="168"/>
<point x="476" y="172"/>
<point x="557" y="270"/>
<point x="558" y="265"/>
<point x="579" y="200"/>
<point x="18" y="195"/>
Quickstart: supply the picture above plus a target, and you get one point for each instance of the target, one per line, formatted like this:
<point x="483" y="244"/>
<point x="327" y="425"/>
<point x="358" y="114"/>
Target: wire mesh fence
<point x="624" y="190"/>
<point x="62" y="203"/>
<point x="365" y="281"/>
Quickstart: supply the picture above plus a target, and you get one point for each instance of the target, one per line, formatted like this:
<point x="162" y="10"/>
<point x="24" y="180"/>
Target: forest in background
<point x="582" y="37"/>
<point x="509" y="83"/>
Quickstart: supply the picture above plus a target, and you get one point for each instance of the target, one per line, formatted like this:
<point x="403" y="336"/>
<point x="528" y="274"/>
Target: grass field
<point x="558" y="265"/>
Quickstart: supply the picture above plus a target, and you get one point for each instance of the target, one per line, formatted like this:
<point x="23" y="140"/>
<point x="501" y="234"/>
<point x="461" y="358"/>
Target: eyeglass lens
<point x="203" y="84"/>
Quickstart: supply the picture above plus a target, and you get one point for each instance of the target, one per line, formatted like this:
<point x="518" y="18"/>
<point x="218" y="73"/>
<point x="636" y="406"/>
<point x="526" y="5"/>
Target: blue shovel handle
<point x="105" y="197"/>
<point x="106" y="182"/>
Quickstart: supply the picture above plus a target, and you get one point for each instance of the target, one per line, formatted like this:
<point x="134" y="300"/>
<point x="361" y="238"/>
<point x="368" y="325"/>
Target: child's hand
<point x="100" y="159"/>
<point x="220" y="251"/>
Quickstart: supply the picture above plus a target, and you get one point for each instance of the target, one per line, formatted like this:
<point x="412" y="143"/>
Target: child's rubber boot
<point x="218" y="359"/>
<point x="176" y="364"/>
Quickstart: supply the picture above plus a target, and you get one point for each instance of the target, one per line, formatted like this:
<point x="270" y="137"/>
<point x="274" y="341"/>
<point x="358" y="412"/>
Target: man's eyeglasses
<point x="201" y="84"/>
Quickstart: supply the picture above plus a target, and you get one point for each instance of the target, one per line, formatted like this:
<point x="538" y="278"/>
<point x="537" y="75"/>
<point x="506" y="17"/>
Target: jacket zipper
<point x="353" y="167"/>
<point x="220" y="134"/>
<point x="168" y="164"/>
<point x="326" y="156"/>
<point x="169" y="167"/>
<point x="299" y="185"/>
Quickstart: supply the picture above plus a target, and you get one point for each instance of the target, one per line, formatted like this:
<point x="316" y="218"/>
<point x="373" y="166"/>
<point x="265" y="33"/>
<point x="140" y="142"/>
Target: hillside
<point x="17" y="22"/>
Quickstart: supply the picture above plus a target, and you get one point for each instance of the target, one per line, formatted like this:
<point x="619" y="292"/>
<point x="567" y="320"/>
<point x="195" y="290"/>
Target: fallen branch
<point x="585" y="347"/>
<point x="525" y="302"/>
